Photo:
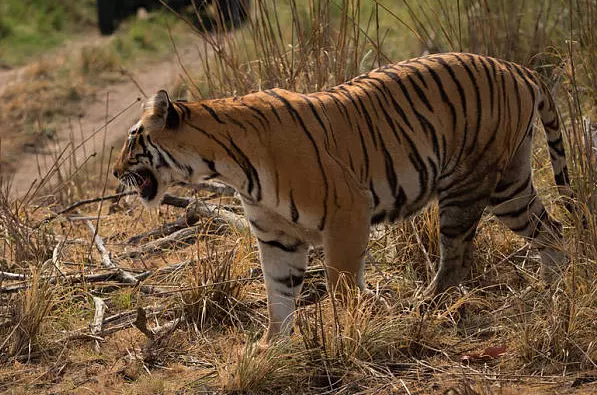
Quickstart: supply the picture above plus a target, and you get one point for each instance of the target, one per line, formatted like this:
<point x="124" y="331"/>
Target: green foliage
<point x="28" y="27"/>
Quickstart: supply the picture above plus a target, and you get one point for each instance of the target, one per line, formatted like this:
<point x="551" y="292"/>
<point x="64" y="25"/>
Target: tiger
<point x="316" y="170"/>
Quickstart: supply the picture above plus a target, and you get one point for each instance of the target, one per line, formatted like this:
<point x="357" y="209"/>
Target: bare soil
<point x="107" y="113"/>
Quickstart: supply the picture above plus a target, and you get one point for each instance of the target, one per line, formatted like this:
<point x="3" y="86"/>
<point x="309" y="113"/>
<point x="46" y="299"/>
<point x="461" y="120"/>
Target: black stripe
<point x="420" y="93"/>
<point x="442" y="93"/>
<point x="319" y="120"/>
<point x="455" y="231"/>
<point x="284" y="247"/>
<point x="248" y="168"/>
<point x="161" y="160"/>
<point x="502" y="187"/>
<point x="186" y="112"/>
<point x="146" y="152"/>
<point x="378" y="218"/>
<point x="325" y="114"/>
<point x="518" y="99"/>
<point x="294" y="214"/>
<point x="459" y="88"/>
<point x="259" y="114"/>
<point x="296" y="116"/>
<point x="239" y="124"/>
<point x="375" y="197"/>
<point x="346" y="93"/>
<point x="290" y="281"/>
<point x="213" y="114"/>
<point x="275" y="112"/>
<point x="490" y="83"/>
<point x="399" y="202"/>
<point x="383" y="90"/>
<point x="239" y="157"/>
<point x="562" y="178"/>
<point x="390" y="170"/>
<point x="415" y="70"/>
<point x="172" y="117"/>
<point x="475" y="85"/>
<point x="514" y="213"/>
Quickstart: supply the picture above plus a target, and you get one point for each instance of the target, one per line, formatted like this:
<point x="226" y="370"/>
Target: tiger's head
<point x="143" y="163"/>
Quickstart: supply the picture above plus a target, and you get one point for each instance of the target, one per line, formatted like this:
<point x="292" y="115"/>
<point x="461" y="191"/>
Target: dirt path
<point x="116" y="98"/>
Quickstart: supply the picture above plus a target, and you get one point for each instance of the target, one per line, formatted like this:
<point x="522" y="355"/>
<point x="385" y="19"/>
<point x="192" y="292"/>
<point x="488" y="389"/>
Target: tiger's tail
<point x="557" y="154"/>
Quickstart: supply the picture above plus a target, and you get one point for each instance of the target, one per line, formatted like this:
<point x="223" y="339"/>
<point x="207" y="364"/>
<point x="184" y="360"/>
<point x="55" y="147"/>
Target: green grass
<point x="28" y="28"/>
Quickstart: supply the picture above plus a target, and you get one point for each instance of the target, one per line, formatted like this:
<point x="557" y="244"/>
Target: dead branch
<point x="12" y="276"/>
<point x="56" y="256"/>
<point x="112" y="275"/>
<point x="162" y="231"/>
<point x="106" y="256"/>
<point x="196" y="210"/>
<point x="98" y="317"/>
<point x="200" y="209"/>
<point x="181" y="239"/>
<point x="111" y="324"/>
<point x="157" y="331"/>
<point x="219" y="219"/>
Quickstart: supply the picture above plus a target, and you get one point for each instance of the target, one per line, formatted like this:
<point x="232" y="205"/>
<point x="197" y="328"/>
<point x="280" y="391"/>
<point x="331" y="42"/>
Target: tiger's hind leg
<point x="458" y="225"/>
<point x="515" y="202"/>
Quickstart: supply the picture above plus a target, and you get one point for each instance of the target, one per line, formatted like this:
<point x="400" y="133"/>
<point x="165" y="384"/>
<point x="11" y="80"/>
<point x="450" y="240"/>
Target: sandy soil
<point x="116" y="98"/>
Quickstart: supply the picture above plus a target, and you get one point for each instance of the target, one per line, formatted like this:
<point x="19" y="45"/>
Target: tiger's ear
<point x="158" y="112"/>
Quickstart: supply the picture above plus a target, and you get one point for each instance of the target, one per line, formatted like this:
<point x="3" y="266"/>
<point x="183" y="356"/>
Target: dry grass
<point x="549" y="334"/>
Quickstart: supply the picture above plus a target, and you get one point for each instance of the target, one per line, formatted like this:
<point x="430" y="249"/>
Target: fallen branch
<point x="71" y="279"/>
<point x="98" y="318"/>
<point x="200" y="208"/>
<point x="196" y="210"/>
<point x="181" y="239"/>
<point x="12" y="276"/>
<point x="162" y="231"/>
<point x="106" y="256"/>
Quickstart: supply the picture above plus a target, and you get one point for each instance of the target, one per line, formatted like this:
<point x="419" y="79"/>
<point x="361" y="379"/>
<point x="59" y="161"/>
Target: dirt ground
<point x="115" y="102"/>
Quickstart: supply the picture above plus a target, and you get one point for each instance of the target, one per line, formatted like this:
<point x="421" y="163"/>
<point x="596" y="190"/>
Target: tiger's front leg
<point x="284" y="263"/>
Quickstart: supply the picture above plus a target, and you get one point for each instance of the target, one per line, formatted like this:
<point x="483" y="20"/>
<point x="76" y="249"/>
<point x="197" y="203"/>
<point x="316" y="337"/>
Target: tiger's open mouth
<point x="145" y="182"/>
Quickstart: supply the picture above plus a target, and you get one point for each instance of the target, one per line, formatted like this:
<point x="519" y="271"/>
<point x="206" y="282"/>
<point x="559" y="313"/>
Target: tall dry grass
<point x="312" y="45"/>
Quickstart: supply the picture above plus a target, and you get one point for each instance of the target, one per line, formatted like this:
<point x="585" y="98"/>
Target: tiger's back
<point x="317" y="169"/>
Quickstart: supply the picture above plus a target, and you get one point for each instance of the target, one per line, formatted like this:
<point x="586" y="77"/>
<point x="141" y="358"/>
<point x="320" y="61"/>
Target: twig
<point x="106" y="258"/>
<point x="87" y="201"/>
<point x="98" y="318"/>
<point x="162" y="231"/>
<point x="422" y="247"/>
<point x="156" y="333"/>
<point x="181" y="239"/>
<point x="56" y="256"/>
<point x="72" y="279"/>
<point x="12" y="276"/>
